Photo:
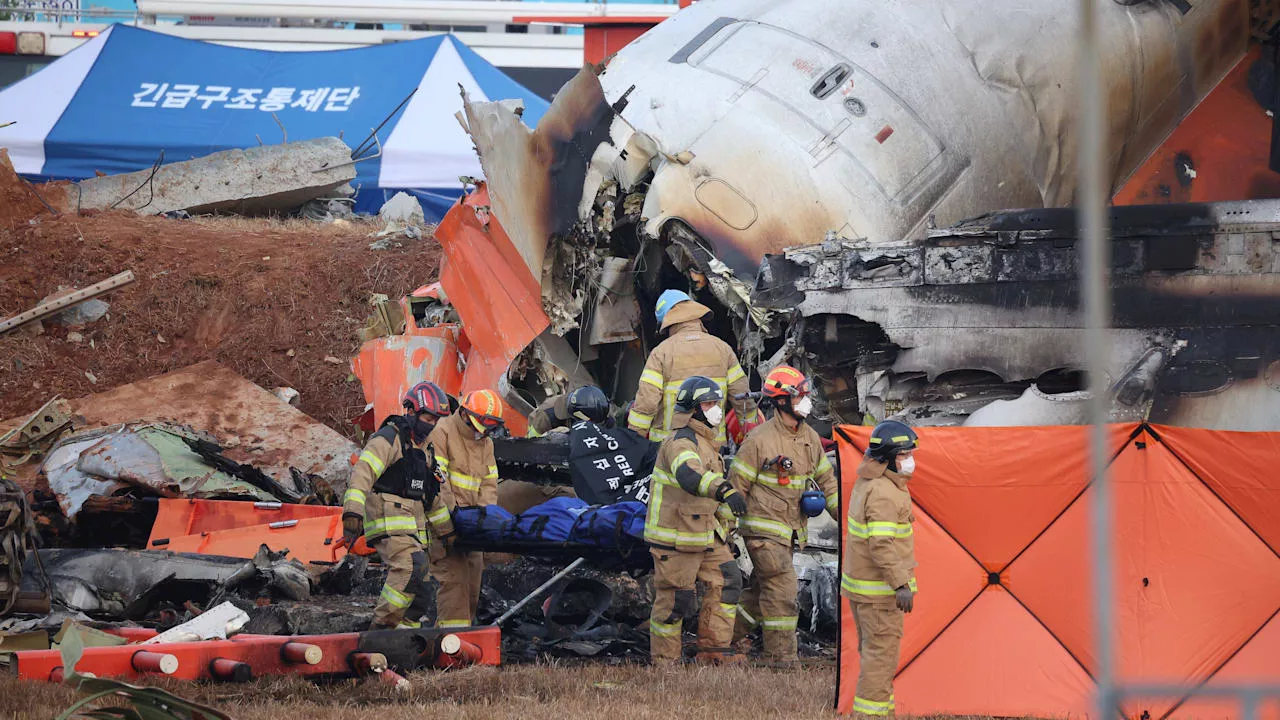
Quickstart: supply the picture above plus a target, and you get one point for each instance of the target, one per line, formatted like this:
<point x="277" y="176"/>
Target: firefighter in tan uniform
<point x="392" y="495"/>
<point x="688" y="350"/>
<point x="878" y="575"/>
<point x="464" y="458"/>
<point x="551" y="414"/>
<point x="685" y="533"/>
<point x="773" y="470"/>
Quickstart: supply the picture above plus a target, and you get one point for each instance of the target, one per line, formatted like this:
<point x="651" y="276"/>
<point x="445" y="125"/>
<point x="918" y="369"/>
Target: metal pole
<point x="1091" y="196"/>
<point x="541" y="589"/>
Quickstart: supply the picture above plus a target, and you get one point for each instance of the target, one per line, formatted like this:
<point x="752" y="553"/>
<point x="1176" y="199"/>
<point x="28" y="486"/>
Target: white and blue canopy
<point x="112" y="104"/>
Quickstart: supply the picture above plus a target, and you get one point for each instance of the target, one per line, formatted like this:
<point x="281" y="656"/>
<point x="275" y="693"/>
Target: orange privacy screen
<point x="1003" y="624"/>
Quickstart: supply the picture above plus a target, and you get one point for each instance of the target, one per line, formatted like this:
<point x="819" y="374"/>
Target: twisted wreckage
<point x="841" y="209"/>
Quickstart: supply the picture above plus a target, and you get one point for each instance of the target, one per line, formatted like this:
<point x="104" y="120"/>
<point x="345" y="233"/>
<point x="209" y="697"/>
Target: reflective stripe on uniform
<point x="373" y="462"/>
<point x="439" y="516"/>
<point x="385" y="525"/>
<point x="672" y="537"/>
<point x="735" y="374"/>
<point x="870" y="587"/>
<point x="409" y="625"/>
<point x="833" y="502"/>
<point x="453" y="623"/>
<point x="824" y="465"/>
<point x="353" y="495"/>
<point x="729" y="610"/>
<point x="635" y="419"/>
<point x="879" y="529"/>
<point x="395" y="598"/>
<point x="766" y="526"/>
<point x="708" y="477"/>
<point x="464" y="481"/>
<point x="664" y="629"/>
<point x="683" y="458"/>
<point x="653" y="377"/>
<point x="779" y="623"/>
<point x="492" y="474"/>
<point x="423" y="537"/>
<point x="742" y="468"/>
<point x="798" y="483"/>
<point x="871" y="707"/>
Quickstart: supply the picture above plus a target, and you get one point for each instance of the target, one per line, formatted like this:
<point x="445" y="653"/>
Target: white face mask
<point x="907" y="465"/>
<point x="714" y="415"/>
<point x="802" y="407"/>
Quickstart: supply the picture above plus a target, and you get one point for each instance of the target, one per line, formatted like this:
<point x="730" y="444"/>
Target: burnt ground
<point x="270" y="299"/>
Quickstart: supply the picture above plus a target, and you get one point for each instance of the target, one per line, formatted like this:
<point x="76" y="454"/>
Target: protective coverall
<point x="879" y="557"/>
<point x="471" y="475"/>
<point x="774" y="522"/>
<point x="688" y="542"/>
<point x="395" y="526"/>
<point x="689" y="350"/>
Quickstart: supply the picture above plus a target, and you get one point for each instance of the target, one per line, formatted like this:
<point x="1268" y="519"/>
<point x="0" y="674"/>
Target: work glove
<point x="905" y="598"/>
<point x="737" y="503"/>
<point x="352" y="529"/>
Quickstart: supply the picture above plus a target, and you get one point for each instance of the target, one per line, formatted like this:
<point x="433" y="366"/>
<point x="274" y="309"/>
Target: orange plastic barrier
<point x="237" y="529"/>
<point x="1002" y="625"/>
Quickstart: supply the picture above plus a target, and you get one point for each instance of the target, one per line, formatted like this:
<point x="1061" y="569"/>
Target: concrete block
<point x="260" y="179"/>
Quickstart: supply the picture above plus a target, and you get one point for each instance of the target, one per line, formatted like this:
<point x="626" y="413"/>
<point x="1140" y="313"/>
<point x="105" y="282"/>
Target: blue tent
<point x="114" y="103"/>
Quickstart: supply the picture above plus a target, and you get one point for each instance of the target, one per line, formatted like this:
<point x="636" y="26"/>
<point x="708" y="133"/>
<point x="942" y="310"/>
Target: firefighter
<point x="551" y="414"/>
<point x="773" y="470"/>
<point x="879" y="562"/>
<point x="685" y="534"/>
<point x="464" y="455"/>
<point x="688" y="350"/>
<point x="560" y="412"/>
<point x="391" y="486"/>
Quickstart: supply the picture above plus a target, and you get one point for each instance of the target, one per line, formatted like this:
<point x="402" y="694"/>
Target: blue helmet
<point x="812" y="503"/>
<point x="667" y="300"/>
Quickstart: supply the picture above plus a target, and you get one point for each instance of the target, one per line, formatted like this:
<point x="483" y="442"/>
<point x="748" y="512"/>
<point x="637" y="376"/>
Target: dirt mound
<point x="270" y="299"/>
<point x="18" y="203"/>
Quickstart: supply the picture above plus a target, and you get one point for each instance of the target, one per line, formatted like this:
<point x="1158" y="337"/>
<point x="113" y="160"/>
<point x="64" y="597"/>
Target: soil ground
<point x="581" y="692"/>
<point x="270" y="299"/>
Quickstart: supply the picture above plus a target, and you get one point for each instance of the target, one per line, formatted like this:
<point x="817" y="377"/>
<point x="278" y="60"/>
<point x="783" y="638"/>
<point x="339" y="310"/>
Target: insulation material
<point x="1000" y="536"/>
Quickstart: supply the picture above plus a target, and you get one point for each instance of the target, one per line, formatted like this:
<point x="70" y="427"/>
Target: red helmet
<point x="484" y="409"/>
<point x="785" y="381"/>
<point x="427" y="397"/>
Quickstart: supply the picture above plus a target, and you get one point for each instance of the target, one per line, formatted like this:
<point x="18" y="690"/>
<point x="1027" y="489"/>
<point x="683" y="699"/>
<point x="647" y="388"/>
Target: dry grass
<point x="559" y="692"/>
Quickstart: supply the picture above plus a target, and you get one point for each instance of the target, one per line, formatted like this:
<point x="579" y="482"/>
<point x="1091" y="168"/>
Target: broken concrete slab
<point x="260" y="179"/>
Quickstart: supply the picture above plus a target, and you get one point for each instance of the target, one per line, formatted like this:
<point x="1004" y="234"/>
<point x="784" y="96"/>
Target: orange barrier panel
<point x="1003" y="622"/>
<point x="178" y="517"/>
<point x="237" y="529"/>
<point x="308" y="540"/>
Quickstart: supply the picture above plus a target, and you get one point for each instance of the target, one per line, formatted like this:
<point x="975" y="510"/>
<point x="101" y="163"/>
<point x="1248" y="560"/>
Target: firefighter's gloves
<point x="352" y="529"/>
<point x="905" y="598"/>
<point x="737" y="503"/>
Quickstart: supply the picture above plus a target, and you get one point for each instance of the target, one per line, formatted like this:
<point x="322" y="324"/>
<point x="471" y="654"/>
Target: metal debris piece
<point x="216" y="623"/>
<point x="39" y="432"/>
<point x="45" y="309"/>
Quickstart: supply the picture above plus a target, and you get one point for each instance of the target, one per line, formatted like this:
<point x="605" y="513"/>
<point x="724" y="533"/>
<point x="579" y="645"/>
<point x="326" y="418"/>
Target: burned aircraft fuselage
<point x="980" y="323"/>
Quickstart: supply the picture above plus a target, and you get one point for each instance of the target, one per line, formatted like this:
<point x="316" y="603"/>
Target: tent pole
<point x="1091" y="202"/>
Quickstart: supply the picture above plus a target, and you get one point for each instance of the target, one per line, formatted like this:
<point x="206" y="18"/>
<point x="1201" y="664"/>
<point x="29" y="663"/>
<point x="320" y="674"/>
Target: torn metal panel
<point x="537" y="176"/>
<point x="72" y="487"/>
<point x="253" y="425"/>
<point x="215" y="623"/>
<point x="616" y="316"/>
<point x="1196" y="292"/>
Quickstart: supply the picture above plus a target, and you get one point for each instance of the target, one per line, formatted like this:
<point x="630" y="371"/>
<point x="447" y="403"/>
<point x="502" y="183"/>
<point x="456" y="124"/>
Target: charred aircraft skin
<point x="979" y="324"/>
